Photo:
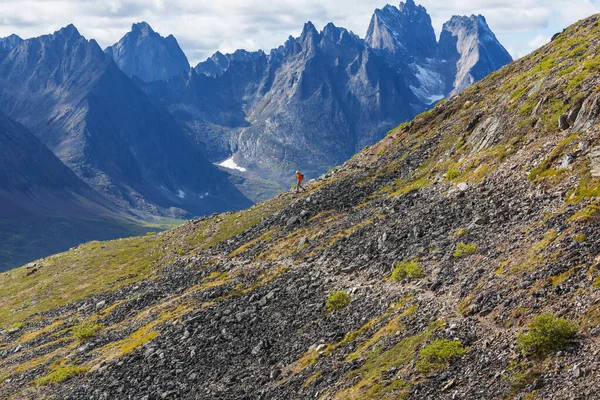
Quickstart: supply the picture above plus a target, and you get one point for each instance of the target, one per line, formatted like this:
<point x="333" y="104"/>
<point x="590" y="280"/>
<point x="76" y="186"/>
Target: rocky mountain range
<point x="319" y="98"/>
<point x="457" y="258"/>
<point x="78" y="102"/>
<point x="142" y="130"/>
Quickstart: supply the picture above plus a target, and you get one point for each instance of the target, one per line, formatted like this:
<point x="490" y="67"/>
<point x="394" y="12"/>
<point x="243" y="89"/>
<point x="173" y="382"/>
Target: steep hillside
<point x="319" y="98"/>
<point x="102" y="126"/>
<point x="456" y="258"/>
<point x="147" y="55"/>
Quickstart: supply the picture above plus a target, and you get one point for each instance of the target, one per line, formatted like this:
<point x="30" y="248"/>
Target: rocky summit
<point x="455" y="258"/>
<point x="319" y="98"/>
<point x="147" y="55"/>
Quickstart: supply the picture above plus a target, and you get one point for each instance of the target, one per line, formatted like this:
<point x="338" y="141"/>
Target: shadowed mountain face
<point x="28" y="169"/>
<point x="318" y="99"/>
<point x="147" y="55"/>
<point x="44" y="207"/>
<point x="90" y="114"/>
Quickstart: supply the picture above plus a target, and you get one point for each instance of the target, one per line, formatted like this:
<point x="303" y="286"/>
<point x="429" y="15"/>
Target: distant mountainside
<point x="315" y="101"/>
<point x="44" y="207"/>
<point x="33" y="181"/>
<point x="101" y="125"/>
<point x="471" y="50"/>
<point x="147" y="55"/>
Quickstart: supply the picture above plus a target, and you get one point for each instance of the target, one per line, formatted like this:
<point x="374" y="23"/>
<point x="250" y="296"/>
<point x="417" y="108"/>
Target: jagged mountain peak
<point x="405" y="31"/>
<point x="142" y="27"/>
<point x="69" y="30"/>
<point x="468" y="43"/>
<point x="8" y="43"/>
<point x="144" y="53"/>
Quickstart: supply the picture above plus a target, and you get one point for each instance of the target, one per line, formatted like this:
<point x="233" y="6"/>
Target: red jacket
<point x="299" y="176"/>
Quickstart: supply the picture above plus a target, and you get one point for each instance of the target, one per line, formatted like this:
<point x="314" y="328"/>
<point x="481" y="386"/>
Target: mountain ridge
<point x="106" y="129"/>
<point x="264" y="114"/>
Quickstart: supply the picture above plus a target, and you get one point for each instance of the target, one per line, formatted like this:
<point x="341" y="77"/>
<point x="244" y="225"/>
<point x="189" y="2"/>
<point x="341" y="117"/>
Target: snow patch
<point x="431" y="84"/>
<point x="230" y="164"/>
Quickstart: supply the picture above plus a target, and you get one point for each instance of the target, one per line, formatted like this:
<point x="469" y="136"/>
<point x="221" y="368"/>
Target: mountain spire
<point x="146" y="54"/>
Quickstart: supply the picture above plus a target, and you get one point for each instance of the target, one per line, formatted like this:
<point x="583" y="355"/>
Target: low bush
<point x="407" y="269"/>
<point x="465" y="249"/>
<point x="62" y="374"/>
<point x="546" y="334"/>
<point x="337" y="301"/>
<point x="85" y="331"/>
<point x="437" y="354"/>
<point x="452" y="174"/>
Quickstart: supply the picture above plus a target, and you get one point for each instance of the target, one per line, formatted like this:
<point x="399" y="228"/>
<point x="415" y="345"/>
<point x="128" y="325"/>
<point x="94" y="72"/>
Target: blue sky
<point x="204" y="26"/>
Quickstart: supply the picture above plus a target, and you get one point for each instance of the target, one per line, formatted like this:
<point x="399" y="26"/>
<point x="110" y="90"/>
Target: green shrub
<point x="460" y="232"/>
<point x="547" y="333"/>
<point x="407" y="269"/>
<point x="465" y="249"/>
<point x="62" y="374"/>
<point x="17" y="326"/>
<point x="436" y="355"/>
<point x="337" y="301"/>
<point x="452" y="174"/>
<point x="85" y="331"/>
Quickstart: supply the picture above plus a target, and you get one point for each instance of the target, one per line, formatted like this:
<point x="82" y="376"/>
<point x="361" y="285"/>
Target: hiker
<point x="299" y="178"/>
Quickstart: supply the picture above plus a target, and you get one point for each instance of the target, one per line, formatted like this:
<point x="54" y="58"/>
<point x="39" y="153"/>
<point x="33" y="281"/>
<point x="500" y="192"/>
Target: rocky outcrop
<point x="147" y="55"/>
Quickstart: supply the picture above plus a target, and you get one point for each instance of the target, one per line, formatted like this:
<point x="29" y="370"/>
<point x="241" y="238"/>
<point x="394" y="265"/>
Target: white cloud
<point x="538" y="41"/>
<point x="204" y="26"/>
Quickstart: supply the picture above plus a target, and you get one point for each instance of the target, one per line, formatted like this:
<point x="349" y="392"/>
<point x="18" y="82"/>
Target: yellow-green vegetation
<point x="85" y="331"/>
<point x="543" y="170"/>
<point x="460" y="232"/>
<point x="393" y="327"/>
<point x="98" y="267"/>
<point x="16" y="325"/>
<point x="368" y="377"/>
<point x="464" y="250"/>
<point x="407" y="269"/>
<point x="312" y="378"/>
<point x="61" y="374"/>
<point x="534" y="256"/>
<point x="558" y="279"/>
<point x="452" y="174"/>
<point x="407" y="186"/>
<point x="585" y="214"/>
<point x="337" y="300"/>
<point x="588" y="187"/>
<point x="521" y="374"/>
<point x="437" y="354"/>
<point x="463" y="306"/>
<point x="579" y="237"/>
<point x="546" y="334"/>
<point x="137" y="339"/>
